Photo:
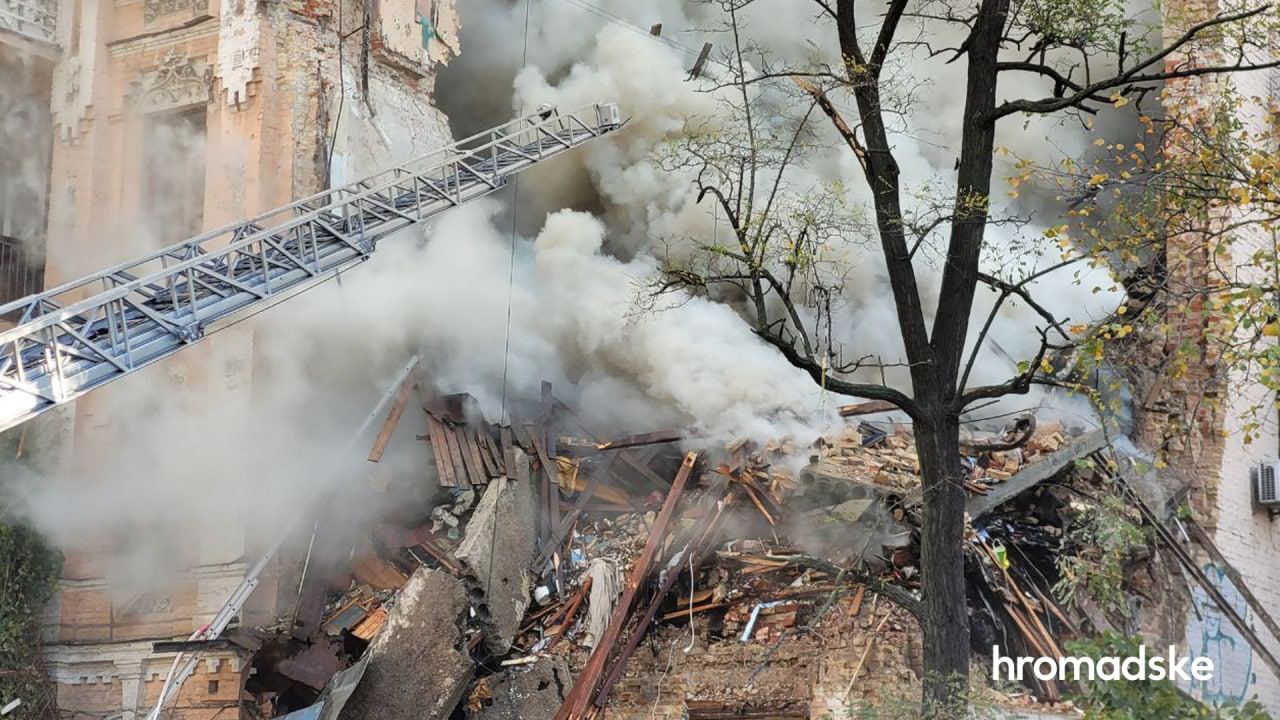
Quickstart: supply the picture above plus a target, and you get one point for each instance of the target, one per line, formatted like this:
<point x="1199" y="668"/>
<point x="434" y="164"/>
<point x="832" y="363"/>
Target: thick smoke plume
<point x="572" y="273"/>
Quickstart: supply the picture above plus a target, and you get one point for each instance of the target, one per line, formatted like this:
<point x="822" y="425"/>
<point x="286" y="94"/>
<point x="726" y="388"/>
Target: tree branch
<point x="1133" y="75"/>
<point x="1020" y="384"/>
<point x="868" y="391"/>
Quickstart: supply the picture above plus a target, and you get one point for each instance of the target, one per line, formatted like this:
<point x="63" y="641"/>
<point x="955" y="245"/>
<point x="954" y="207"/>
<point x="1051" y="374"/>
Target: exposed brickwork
<point x="1195" y="413"/>
<point x="262" y="81"/>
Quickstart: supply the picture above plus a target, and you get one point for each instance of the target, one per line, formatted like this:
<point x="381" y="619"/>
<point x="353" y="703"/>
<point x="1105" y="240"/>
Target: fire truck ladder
<point x="86" y="333"/>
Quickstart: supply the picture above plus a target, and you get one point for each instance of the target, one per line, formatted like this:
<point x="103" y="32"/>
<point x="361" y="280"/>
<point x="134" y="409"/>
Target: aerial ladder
<point x="82" y="335"/>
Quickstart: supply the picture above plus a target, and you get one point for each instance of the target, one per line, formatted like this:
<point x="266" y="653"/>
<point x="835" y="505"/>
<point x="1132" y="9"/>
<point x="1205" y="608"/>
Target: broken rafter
<point x="403" y="393"/>
<point x="703" y="55"/>
<point x="712" y="512"/>
<point x="649" y="438"/>
<point x="624" y="455"/>
<point x="866" y="408"/>
<point x="576" y="704"/>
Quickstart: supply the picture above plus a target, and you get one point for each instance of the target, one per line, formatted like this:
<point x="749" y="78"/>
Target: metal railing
<point x="32" y="19"/>
<point x="81" y="335"/>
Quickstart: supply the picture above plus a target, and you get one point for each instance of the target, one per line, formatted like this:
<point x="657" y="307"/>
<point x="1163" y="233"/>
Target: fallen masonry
<point x="418" y="667"/>
<point x="555" y="574"/>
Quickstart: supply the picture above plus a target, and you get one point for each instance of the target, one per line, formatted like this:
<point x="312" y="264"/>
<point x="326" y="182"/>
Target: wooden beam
<point x="705" y="527"/>
<point x="393" y="420"/>
<point x="866" y="408"/>
<point x="579" y="698"/>
<point x="649" y="438"/>
<point x="696" y="70"/>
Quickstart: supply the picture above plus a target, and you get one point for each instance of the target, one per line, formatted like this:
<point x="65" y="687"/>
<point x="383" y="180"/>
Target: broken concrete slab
<point x="535" y="691"/>
<point x="497" y="551"/>
<point x="858" y="529"/>
<point x="1080" y="447"/>
<point x="418" y="668"/>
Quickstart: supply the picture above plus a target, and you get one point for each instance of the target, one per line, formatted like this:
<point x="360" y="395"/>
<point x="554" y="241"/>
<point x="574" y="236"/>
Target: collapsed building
<point x="172" y="117"/>
<point x="547" y="572"/>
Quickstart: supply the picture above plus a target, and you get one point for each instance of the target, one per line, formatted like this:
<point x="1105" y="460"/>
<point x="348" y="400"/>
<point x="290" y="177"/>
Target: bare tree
<point x="1091" y="55"/>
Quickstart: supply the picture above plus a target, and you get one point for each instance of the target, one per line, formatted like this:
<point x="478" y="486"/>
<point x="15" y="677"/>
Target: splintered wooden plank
<point x="476" y="436"/>
<point x="649" y="438"/>
<point x="440" y="451"/>
<point x="522" y="436"/>
<point x="508" y="454"/>
<point x="550" y="516"/>
<point x="491" y="446"/>
<point x="392" y="422"/>
<point x="467" y="434"/>
<point x="455" y="454"/>
<point x="474" y="472"/>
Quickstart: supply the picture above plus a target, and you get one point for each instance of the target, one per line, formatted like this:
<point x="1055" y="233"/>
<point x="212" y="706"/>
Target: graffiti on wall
<point x="1210" y="634"/>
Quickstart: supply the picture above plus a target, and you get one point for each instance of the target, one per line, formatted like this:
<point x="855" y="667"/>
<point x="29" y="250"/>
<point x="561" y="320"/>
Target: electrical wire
<point x="511" y="268"/>
<point x="511" y="275"/>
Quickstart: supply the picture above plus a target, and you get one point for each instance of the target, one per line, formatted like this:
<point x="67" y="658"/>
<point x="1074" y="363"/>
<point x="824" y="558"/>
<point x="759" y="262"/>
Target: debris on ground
<point x="558" y="574"/>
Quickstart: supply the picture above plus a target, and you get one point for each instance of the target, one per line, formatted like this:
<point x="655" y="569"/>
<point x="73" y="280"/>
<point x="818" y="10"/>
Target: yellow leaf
<point x="1097" y="179"/>
<point x="1271" y="329"/>
<point x="1119" y="100"/>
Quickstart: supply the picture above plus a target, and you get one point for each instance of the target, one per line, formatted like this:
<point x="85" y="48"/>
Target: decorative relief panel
<point x="178" y="81"/>
<point x="155" y="9"/>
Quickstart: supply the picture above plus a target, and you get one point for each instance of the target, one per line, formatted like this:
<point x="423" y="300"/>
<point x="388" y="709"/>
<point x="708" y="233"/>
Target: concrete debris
<point x="534" y="691"/>
<point x="497" y="551"/>
<point x="418" y="666"/>
<point x="750" y="590"/>
<point x="860" y="530"/>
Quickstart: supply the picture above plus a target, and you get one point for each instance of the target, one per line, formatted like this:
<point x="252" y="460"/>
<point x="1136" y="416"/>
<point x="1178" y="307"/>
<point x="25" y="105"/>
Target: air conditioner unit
<point x="608" y="115"/>
<point x="1266" y="491"/>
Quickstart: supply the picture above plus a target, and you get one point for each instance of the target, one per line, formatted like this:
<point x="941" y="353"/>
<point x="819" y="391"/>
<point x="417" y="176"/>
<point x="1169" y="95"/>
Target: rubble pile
<point x="555" y="575"/>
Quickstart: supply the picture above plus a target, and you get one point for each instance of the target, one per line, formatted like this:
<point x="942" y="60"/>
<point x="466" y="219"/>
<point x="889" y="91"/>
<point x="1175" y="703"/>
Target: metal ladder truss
<point x="86" y="333"/>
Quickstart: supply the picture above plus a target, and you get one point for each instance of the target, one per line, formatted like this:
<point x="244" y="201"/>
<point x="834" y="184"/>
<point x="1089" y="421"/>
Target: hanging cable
<point x="515" y="210"/>
<point x="511" y="277"/>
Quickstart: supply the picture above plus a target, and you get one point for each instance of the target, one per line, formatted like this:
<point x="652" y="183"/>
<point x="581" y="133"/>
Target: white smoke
<point x="574" y="289"/>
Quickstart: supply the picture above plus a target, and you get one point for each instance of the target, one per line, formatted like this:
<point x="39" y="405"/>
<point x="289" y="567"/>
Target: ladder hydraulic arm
<point x="86" y="333"/>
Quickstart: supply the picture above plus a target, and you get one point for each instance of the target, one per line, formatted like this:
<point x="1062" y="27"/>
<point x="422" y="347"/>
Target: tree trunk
<point x="946" y="620"/>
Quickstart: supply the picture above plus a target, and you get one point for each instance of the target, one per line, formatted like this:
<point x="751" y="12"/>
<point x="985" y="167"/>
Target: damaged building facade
<point x="1202" y="418"/>
<point x="166" y="118"/>
<point x="156" y="120"/>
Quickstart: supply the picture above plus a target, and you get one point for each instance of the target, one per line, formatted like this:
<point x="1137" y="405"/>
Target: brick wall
<point x="1197" y="416"/>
